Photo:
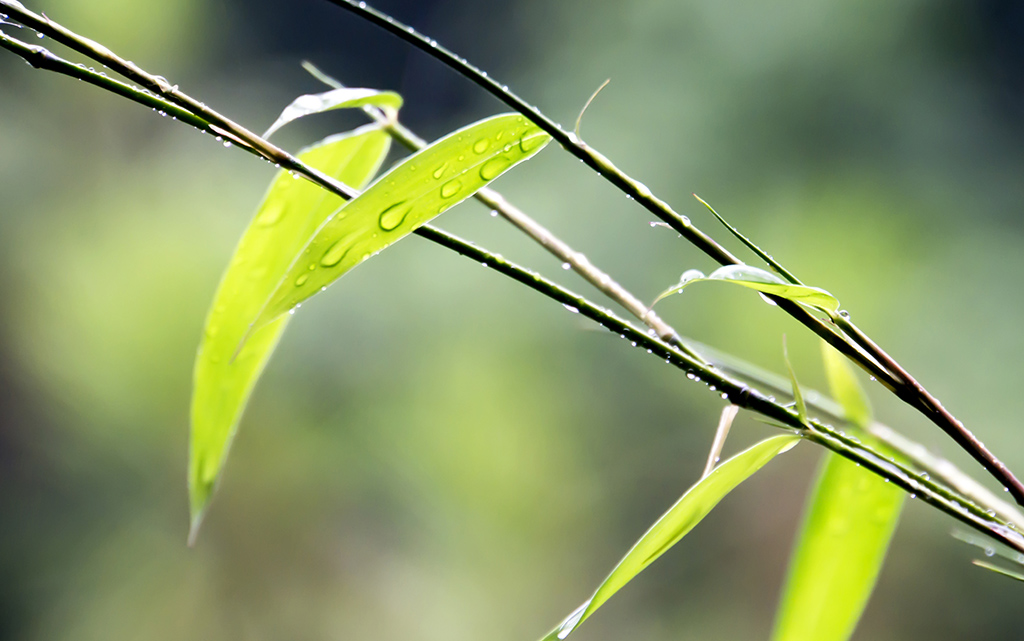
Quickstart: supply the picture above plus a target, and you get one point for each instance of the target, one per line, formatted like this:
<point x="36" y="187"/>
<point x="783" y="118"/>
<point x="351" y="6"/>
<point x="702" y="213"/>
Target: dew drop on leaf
<point x="451" y="188"/>
<point x="493" y="167"/>
<point x="335" y="253"/>
<point x="393" y="216"/>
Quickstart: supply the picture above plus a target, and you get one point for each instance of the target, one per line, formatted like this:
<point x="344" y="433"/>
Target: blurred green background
<point x="435" y="453"/>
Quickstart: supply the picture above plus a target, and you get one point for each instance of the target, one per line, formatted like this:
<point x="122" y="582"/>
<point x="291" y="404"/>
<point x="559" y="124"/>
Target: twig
<point x="738" y="393"/>
<point x="864" y="353"/>
<point x="735" y="391"/>
<point x="724" y="424"/>
<point x="558" y="248"/>
<point x="931" y="407"/>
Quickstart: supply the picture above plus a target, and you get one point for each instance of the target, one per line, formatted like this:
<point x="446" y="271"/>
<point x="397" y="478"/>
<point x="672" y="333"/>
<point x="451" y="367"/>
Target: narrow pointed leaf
<point x="321" y="76"/>
<point x="698" y="501"/>
<point x="798" y="396"/>
<point x="341" y="98"/>
<point x="850" y="519"/>
<point x="763" y="255"/>
<point x="998" y="570"/>
<point x="411" y="194"/>
<point x="761" y="281"/>
<point x="290" y="213"/>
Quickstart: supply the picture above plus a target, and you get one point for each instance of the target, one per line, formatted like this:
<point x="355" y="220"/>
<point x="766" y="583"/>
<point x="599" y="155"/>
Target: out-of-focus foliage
<point x="448" y="479"/>
<point x="849" y="521"/>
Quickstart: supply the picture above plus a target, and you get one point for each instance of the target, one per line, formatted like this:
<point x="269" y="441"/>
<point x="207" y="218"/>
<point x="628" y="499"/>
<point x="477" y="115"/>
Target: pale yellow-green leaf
<point x="759" y="280"/>
<point x="341" y="98"/>
<point x="682" y="517"/>
<point x="424" y="185"/>
<point x="289" y="215"/>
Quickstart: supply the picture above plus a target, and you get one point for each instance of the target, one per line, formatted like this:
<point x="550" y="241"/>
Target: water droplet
<point x="227" y="143"/>
<point x="394" y="216"/>
<point x="989" y="552"/>
<point x="440" y="171"/>
<point x="529" y="143"/>
<point x="493" y="167"/>
<point x="452" y="187"/>
<point x="494" y="213"/>
<point x="301" y="280"/>
<point x="577" y="311"/>
<point x="335" y="253"/>
<point x="566" y="266"/>
<point x="481" y="146"/>
<point x="690" y="274"/>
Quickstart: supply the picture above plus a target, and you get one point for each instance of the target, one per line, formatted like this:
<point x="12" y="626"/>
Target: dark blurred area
<point x="434" y="452"/>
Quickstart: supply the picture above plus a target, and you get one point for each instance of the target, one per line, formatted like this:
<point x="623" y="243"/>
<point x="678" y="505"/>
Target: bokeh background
<point x="435" y="453"/>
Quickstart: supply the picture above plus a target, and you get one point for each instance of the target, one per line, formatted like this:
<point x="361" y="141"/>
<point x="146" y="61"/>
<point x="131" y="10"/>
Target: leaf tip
<point x="198" y="502"/>
<point x="788" y="446"/>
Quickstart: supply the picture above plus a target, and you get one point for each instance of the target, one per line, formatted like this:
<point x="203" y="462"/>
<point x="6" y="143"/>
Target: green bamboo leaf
<point x="763" y="255"/>
<point x="409" y="195"/>
<point x="341" y="98"/>
<point x="842" y="382"/>
<point x="758" y="280"/>
<point x="798" y="397"/>
<point x="694" y="505"/>
<point x="289" y="215"/>
<point x="850" y="519"/>
<point x="998" y="570"/>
